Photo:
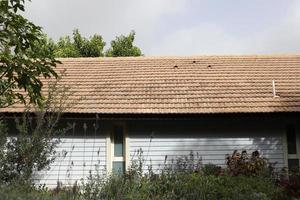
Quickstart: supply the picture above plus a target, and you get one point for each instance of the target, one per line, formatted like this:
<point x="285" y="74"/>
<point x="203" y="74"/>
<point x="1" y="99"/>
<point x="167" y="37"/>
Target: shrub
<point x="182" y="179"/>
<point x="27" y="192"/>
<point x="188" y="164"/>
<point x="291" y="186"/>
<point x="243" y="164"/>
<point x="183" y="186"/>
<point x="210" y="183"/>
<point x="187" y="186"/>
<point x="211" y="169"/>
<point x="32" y="145"/>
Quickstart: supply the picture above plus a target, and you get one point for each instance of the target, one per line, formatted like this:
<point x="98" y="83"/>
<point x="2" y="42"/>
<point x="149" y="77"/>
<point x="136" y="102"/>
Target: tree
<point x="66" y="48"/>
<point x="45" y="46"/>
<point x="79" y="46"/>
<point x="22" y="63"/>
<point x="27" y="56"/>
<point x="123" y="46"/>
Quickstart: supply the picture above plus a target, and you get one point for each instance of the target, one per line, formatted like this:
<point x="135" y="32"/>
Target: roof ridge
<point x="183" y="57"/>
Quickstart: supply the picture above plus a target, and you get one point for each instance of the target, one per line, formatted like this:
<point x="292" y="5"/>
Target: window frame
<point x="110" y="147"/>
<point x="286" y="153"/>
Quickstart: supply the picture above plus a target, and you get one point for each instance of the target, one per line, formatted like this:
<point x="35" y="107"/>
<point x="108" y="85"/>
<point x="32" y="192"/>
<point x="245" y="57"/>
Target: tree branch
<point x="8" y="87"/>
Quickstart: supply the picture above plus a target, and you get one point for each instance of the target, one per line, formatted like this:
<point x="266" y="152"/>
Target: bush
<point x="27" y="192"/>
<point x="291" y="186"/>
<point x="243" y="164"/>
<point x="31" y="146"/>
<point x="184" y="178"/>
<point x="187" y="186"/>
<point x="211" y="169"/>
<point x="35" y="135"/>
<point x="184" y="184"/>
<point x="189" y="163"/>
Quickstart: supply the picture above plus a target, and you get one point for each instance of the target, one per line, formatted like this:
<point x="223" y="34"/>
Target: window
<point x="118" y="149"/>
<point x="118" y="141"/>
<point x="293" y="164"/>
<point x="291" y="139"/>
<point x="118" y="166"/>
<point x="293" y="153"/>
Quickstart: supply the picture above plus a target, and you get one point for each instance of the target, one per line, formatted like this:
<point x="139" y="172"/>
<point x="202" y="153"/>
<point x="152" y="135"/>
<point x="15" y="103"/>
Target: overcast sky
<point x="179" y="27"/>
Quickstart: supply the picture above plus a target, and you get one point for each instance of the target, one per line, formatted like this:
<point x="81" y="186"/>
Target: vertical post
<point x="127" y="151"/>
<point x="84" y="141"/>
<point x="108" y="152"/>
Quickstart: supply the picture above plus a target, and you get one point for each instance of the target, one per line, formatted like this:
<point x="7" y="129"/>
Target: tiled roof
<point x="200" y="84"/>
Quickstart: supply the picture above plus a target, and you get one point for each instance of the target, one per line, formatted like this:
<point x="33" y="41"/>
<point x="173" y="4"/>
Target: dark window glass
<point x="118" y="166"/>
<point x="291" y="139"/>
<point x="118" y="141"/>
<point x="293" y="164"/>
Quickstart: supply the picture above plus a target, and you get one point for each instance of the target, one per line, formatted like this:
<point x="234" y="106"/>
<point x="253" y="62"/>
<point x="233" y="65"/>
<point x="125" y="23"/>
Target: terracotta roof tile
<point x="200" y="84"/>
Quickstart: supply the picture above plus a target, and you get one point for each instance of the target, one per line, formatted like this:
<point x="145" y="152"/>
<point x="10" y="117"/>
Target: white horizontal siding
<point x="76" y="158"/>
<point x="210" y="150"/>
<point x="209" y="139"/>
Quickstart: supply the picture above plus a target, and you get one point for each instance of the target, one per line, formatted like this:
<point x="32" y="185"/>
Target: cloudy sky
<point x="179" y="27"/>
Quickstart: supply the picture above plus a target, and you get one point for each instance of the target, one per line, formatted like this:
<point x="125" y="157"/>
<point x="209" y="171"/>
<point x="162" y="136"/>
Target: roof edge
<point x="185" y="57"/>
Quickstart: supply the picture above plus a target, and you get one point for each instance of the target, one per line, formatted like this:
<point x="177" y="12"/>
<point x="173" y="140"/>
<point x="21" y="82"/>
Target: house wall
<point x="77" y="157"/>
<point x="86" y="147"/>
<point x="210" y="139"/>
<point x="82" y="151"/>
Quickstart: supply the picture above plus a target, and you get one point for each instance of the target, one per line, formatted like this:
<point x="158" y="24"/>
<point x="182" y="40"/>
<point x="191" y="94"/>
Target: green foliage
<point x="28" y="153"/>
<point x="45" y="47"/>
<point x="3" y="138"/>
<point x="186" y="180"/>
<point x="31" y="148"/>
<point x="28" y="192"/>
<point x="66" y="48"/>
<point x="22" y="62"/>
<point x="179" y="186"/>
<point x="79" y="46"/>
<point x="123" y="46"/>
<point x="88" y="48"/>
<point x="183" y="186"/>
<point x="211" y="169"/>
